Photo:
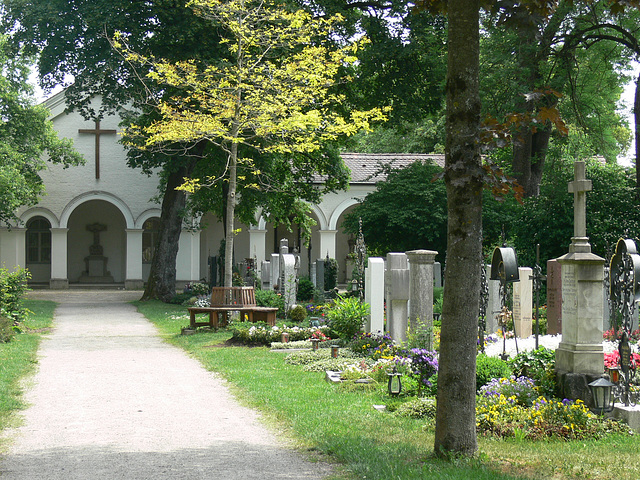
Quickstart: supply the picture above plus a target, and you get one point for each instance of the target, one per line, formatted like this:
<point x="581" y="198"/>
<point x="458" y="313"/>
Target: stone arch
<point x="104" y="196"/>
<point x="339" y="210"/>
<point x="40" y="212"/>
<point x="146" y="215"/>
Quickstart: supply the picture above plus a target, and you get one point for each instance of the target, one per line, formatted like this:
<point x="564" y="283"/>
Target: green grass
<point x="328" y="420"/>
<point x="18" y="359"/>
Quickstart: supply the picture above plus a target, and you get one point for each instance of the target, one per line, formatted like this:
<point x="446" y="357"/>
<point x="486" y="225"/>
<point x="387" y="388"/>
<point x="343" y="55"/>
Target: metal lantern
<point x="395" y="384"/>
<point x="334" y="351"/>
<point x="601" y="393"/>
<point x="315" y="343"/>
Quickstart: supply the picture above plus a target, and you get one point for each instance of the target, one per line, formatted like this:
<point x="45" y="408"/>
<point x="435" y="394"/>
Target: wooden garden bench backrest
<point x="233" y="296"/>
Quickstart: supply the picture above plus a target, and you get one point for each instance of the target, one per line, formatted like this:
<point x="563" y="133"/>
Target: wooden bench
<point x="232" y="299"/>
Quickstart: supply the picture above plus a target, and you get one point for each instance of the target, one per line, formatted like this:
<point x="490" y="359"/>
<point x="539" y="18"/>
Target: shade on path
<point x="111" y="400"/>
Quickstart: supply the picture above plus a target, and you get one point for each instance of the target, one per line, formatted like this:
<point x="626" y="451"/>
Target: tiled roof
<point x="364" y="166"/>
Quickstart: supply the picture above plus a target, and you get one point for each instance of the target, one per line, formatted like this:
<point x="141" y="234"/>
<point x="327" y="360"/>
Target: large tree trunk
<point x="230" y="220"/>
<point x="529" y="154"/>
<point x="636" y="119"/>
<point x="162" y="278"/>
<point x="456" y="416"/>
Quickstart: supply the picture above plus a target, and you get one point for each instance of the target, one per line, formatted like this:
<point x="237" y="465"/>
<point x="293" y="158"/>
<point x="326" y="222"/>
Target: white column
<point x="188" y="260"/>
<point x="133" y="278"/>
<point x="327" y="243"/>
<point x="257" y="246"/>
<point x="12" y="248"/>
<point x="59" y="278"/>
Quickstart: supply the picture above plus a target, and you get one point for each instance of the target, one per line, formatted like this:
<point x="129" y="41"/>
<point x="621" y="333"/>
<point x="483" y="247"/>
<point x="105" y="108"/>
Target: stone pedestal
<point x="421" y="289"/>
<point x="580" y="351"/>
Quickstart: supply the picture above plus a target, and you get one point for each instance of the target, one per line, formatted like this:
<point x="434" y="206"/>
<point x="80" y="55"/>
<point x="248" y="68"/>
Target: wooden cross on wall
<point x="97" y="132"/>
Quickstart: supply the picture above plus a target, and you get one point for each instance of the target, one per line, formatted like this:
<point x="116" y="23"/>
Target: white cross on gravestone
<point x="579" y="187"/>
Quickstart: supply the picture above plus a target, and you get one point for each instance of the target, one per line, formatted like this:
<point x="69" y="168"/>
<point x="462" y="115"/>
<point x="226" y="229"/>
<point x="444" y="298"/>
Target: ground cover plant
<point x="18" y="359"/>
<point x="339" y="421"/>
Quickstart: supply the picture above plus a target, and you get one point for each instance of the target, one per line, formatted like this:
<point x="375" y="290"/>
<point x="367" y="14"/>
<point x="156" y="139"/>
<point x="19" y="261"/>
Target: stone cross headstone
<point x="397" y="294"/>
<point x="580" y="357"/>
<point x="579" y="187"/>
<point x="421" y="290"/>
<point x="320" y="274"/>
<point x="554" y="297"/>
<point x="523" y="303"/>
<point x="374" y="294"/>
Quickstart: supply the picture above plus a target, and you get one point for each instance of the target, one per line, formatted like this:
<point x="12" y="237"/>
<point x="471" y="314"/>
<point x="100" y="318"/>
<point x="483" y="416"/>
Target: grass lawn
<point x="18" y="359"/>
<point x="340" y="423"/>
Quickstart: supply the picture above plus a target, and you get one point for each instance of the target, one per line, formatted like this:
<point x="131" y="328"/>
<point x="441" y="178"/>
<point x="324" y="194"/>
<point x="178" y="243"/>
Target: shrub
<point x="306" y="289"/>
<point x="298" y="313"/>
<point x="200" y="289"/>
<point x="422" y="365"/>
<point x="417" y="408"/>
<point x="6" y="329"/>
<point x="330" y="274"/>
<point x="13" y="286"/>
<point x="488" y="368"/>
<point x="540" y="366"/>
<point x="269" y="298"/>
<point x="346" y="316"/>
<point x="374" y="345"/>
<point x="521" y="390"/>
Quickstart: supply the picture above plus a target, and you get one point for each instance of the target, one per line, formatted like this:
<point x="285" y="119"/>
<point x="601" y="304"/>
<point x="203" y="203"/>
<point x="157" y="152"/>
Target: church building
<point x="97" y="224"/>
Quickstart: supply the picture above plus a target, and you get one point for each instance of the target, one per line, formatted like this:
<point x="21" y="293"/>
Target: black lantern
<point x="601" y="392"/>
<point x="395" y="384"/>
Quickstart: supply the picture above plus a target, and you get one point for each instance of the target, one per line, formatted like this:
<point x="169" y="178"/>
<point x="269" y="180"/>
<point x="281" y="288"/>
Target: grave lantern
<point x="504" y="265"/>
<point x="601" y="392"/>
<point x="334" y="351"/>
<point x="395" y="384"/>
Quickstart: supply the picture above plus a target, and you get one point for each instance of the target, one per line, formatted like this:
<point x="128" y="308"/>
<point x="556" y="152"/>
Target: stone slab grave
<point x="522" y="303"/>
<point x="421" y="289"/>
<point x="554" y="297"/>
<point x="288" y="274"/>
<point x="493" y="305"/>
<point x="397" y="295"/>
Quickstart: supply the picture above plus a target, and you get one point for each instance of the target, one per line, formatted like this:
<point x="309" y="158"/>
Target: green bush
<point x="6" y="329"/>
<point x="417" y="408"/>
<point x="13" y="286"/>
<point x="346" y="316"/>
<point x="298" y="313"/>
<point x="330" y="274"/>
<point x="269" y="298"/>
<point x="540" y="366"/>
<point x="488" y="368"/>
<point x="306" y="289"/>
<point x="200" y="289"/>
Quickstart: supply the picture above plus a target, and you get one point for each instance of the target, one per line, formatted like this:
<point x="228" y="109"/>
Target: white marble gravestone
<point x="493" y="305"/>
<point x="374" y="294"/>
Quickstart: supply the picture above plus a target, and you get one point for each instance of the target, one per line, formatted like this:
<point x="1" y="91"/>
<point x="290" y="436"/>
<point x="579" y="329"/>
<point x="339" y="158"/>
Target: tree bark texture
<point x="455" y="416"/>
<point x="636" y="119"/>
<point x="161" y="284"/>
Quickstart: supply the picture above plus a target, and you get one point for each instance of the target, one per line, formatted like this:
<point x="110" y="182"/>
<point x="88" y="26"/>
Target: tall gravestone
<point x="554" y="297"/>
<point x="374" y="294"/>
<point x="287" y="280"/>
<point x="274" y="267"/>
<point x="437" y="275"/>
<point x="493" y="305"/>
<point x="523" y="302"/>
<point x="580" y="357"/>
<point x="397" y="294"/>
<point x="421" y="289"/>
<point x="265" y="275"/>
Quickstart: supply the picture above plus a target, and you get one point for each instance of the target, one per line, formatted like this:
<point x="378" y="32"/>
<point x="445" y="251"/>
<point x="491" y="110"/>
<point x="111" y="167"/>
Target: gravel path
<point x="112" y="401"/>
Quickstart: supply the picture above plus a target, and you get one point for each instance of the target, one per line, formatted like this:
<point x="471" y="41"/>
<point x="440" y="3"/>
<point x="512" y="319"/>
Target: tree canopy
<point x="271" y="95"/>
<point x="26" y="136"/>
